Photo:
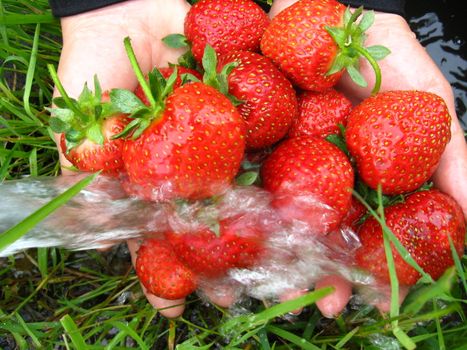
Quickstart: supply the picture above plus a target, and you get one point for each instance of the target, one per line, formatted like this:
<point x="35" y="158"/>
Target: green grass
<point x="56" y="299"/>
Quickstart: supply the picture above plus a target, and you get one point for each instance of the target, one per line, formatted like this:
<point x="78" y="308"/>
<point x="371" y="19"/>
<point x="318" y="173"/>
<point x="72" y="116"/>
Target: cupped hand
<point x="408" y="67"/>
<point x="93" y="45"/>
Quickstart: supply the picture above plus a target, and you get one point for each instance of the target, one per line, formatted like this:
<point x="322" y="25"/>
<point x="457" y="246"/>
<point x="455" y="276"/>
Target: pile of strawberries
<point x="258" y="108"/>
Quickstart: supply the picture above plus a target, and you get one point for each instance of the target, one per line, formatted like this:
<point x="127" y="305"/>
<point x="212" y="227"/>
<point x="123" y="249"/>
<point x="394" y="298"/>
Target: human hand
<point x="409" y="67"/>
<point x="93" y="45"/>
<point x="393" y="32"/>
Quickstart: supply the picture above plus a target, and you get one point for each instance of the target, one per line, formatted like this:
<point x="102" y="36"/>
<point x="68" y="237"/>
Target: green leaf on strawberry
<point x="176" y="41"/>
<point x="81" y="118"/>
<point x="350" y="39"/>
<point x="87" y="126"/>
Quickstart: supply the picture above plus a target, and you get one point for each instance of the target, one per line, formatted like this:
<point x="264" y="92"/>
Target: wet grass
<point x="52" y="298"/>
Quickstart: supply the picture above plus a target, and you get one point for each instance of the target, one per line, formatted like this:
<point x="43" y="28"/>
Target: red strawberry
<point x="269" y="102"/>
<point x="161" y="272"/>
<point x="192" y="150"/>
<point x="312" y="181"/>
<point x="87" y="126"/>
<point x="320" y="113"/>
<point x="166" y="73"/>
<point x="87" y="155"/>
<point x="312" y="45"/>
<point x="238" y="244"/>
<point x="397" y="138"/>
<point x="422" y="224"/>
<point x="225" y="25"/>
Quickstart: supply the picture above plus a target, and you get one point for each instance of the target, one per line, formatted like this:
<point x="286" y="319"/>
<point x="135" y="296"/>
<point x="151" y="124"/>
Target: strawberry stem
<point x="61" y="89"/>
<point x="374" y="65"/>
<point x="139" y="73"/>
<point x="350" y="39"/>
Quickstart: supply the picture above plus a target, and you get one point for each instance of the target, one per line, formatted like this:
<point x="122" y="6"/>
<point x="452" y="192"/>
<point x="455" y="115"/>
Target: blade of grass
<point x="42" y="261"/>
<point x="30" y="75"/>
<point x="403" y="338"/>
<point x="16" y="19"/>
<point x="73" y="332"/>
<point x="130" y="332"/>
<point x="33" y="163"/>
<point x="289" y="306"/>
<point x="294" y="339"/>
<point x="346" y="338"/>
<point x="420" y="297"/>
<point x="29" y="332"/>
<point x="441" y="344"/>
<point x="5" y="167"/>
<point x="311" y="324"/>
<point x="458" y="263"/>
<point x="14" y="233"/>
<point x="263" y="339"/>
<point x="3" y="31"/>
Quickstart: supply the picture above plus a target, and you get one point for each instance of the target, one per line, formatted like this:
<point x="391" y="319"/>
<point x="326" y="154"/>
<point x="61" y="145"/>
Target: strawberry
<point x="166" y="73"/>
<point x="161" y="272"/>
<point x="91" y="156"/>
<point x="269" y="102"/>
<point x="397" y="139"/>
<point x="237" y="244"/>
<point x="192" y="150"/>
<point x="225" y="25"/>
<point x="87" y="127"/>
<point x="311" y="180"/>
<point x="423" y="224"/>
<point x="312" y="41"/>
<point x="187" y="143"/>
<point x="320" y="113"/>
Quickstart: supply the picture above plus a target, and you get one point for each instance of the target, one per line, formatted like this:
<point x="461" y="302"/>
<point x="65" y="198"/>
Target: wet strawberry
<point x="192" y="150"/>
<point x="320" y="113"/>
<point x="225" y="25"/>
<point x="312" y="45"/>
<point x="87" y="127"/>
<point x="161" y="272"/>
<point x="237" y="244"/>
<point x="269" y="102"/>
<point x="397" y="139"/>
<point x="311" y="180"/>
<point x="423" y="224"/>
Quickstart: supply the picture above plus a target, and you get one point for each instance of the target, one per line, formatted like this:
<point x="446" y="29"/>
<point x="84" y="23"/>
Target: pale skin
<point x="93" y="45"/>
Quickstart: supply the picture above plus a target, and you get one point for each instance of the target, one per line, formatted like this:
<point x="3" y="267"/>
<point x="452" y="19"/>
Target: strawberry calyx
<point x="211" y="77"/>
<point x="79" y="119"/>
<point x="215" y="79"/>
<point x="156" y="88"/>
<point x="350" y="39"/>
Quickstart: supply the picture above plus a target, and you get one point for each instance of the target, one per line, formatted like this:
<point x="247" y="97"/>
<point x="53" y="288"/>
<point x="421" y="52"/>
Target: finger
<point x="333" y="304"/>
<point x="293" y="294"/>
<point x="167" y="308"/>
<point x="384" y="301"/>
<point x="222" y="294"/>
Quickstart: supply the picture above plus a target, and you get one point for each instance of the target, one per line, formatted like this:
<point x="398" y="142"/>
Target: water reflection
<point x="438" y="26"/>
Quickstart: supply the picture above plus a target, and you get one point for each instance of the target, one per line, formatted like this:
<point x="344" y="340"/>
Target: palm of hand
<point x="93" y="42"/>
